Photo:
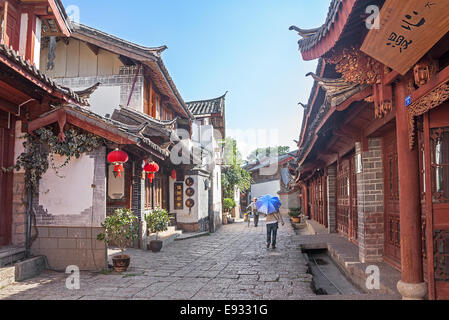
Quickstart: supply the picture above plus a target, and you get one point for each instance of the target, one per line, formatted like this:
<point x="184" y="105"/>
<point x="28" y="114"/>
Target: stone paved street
<point x="232" y="264"/>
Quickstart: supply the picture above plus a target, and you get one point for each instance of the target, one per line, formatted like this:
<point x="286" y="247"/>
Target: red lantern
<point x="173" y="174"/>
<point x="151" y="168"/>
<point x="118" y="158"/>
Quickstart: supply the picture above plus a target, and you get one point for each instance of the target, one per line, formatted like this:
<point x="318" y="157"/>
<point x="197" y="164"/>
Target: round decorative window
<point x="190" y="192"/>
<point x="189" y="182"/>
<point x="190" y="203"/>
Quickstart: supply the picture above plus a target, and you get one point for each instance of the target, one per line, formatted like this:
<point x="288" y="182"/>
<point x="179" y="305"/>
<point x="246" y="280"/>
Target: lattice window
<point x="394" y="231"/>
<point x="441" y="255"/>
<point x="440" y="165"/>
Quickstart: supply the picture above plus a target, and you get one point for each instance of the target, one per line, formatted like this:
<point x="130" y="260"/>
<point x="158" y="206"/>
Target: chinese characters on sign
<point x="408" y="30"/>
<point x="179" y="203"/>
<point x="410" y="23"/>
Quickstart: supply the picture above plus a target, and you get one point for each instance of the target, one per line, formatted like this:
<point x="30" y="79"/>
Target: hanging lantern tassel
<point x="118" y="168"/>
<point x="173" y="174"/>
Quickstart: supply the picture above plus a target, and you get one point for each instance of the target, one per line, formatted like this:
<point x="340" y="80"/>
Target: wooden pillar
<point x="412" y="285"/>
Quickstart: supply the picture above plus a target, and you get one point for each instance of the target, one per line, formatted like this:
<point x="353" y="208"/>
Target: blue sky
<point x="214" y="46"/>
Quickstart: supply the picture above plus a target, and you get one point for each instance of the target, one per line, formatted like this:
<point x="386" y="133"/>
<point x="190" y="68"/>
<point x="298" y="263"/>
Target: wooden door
<point x="392" y="229"/>
<point x="354" y="213"/>
<point x="343" y="197"/>
<point x="6" y="161"/>
<point x="436" y="147"/>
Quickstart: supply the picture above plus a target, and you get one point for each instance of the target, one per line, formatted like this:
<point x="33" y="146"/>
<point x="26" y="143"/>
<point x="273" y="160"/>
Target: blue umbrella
<point x="268" y="204"/>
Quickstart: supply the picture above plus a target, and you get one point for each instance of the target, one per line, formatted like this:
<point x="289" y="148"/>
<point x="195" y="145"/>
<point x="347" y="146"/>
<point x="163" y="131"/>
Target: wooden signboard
<point x="179" y="196"/>
<point x="408" y="30"/>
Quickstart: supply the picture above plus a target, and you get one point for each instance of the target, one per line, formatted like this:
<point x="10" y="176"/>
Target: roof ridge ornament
<point x="304" y="33"/>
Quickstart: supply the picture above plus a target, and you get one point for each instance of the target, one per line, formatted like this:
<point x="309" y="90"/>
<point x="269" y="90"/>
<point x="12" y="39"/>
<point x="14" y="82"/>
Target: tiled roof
<point x="152" y="57"/>
<point x="16" y="58"/>
<point x="205" y="107"/>
<point x="312" y="36"/>
<point x="83" y="29"/>
<point x="130" y="132"/>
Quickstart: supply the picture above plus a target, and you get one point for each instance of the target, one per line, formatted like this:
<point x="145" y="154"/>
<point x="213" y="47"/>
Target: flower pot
<point x="225" y="218"/>
<point x="155" y="245"/>
<point x="121" y="262"/>
<point x="296" y="219"/>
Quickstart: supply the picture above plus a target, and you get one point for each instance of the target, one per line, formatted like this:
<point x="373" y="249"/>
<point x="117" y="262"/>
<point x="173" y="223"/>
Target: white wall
<point x="71" y="194"/>
<point x="76" y="195"/>
<point x="104" y="100"/>
<point x="260" y="189"/>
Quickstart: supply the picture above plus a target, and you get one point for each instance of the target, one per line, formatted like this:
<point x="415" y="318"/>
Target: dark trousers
<point x="272" y="230"/>
<point x="256" y="219"/>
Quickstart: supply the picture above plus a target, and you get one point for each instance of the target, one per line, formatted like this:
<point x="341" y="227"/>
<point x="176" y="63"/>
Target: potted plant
<point x="157" y="221"/>
<point x="295" y="215"/>
<point x="228" y="205"/>
<point x="120" y="229"/>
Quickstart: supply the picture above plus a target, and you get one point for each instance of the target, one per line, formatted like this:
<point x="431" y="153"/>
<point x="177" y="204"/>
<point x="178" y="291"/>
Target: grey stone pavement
<point x="232" y="264"/>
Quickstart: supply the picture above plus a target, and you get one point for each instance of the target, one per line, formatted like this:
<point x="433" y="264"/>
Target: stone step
<point x="23" y="270"/>
<point x="10" y="255"/>
<point x="191" y="235"/>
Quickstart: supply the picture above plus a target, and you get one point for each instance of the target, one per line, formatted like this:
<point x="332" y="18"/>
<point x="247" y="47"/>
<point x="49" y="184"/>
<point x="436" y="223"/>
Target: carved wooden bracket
<point x="383" y="100"/>
<point x="355" y="66"/>
<point x="427" y="102"/>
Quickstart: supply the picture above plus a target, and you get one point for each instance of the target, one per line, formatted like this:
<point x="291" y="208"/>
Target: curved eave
<point x="326" y="43"/>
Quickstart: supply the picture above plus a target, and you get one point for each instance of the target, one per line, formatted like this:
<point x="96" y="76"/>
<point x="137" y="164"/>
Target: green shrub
<point x="157" y="220"/>
<point x="228" y="204"/>
<point x="294" y="212"/>
<point x="121" y="228"/>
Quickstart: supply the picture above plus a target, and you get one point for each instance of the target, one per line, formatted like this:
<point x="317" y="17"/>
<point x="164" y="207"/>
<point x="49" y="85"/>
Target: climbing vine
<point x="43" y="144"/>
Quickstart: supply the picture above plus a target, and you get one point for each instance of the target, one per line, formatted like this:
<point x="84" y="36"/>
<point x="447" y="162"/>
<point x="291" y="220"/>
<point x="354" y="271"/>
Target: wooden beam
<point x="59" y="18"/>
<point x="9" y="107"/>
<point x="379" y="123"/>
<point x="93" y="48"/>
<point x="441" y="77"/>
<point x="357" y="97"/>
<point x="45" y="121"/>
<point x="391" y="77"/>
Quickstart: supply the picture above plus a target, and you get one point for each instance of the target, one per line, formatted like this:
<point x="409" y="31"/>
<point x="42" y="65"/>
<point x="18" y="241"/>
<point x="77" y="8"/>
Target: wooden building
<point x="372" y="153"/>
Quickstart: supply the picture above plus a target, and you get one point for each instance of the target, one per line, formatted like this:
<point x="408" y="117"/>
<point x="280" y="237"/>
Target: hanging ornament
<point x="151" y="168"/>
<point x="118" y="158"/>
<point x="173" y="174"/>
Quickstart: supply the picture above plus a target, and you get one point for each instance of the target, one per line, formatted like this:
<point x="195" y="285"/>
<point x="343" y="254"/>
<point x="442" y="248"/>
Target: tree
<point x="233" y="174"/>
<point x="232" y="155"/>
<point x="261" y="153"/>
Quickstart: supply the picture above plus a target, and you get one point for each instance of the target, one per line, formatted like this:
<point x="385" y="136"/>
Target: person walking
<point x="254" y="211"/>
<point x="272" y="224"/>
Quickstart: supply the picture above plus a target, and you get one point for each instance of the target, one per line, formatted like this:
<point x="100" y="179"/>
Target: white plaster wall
<point x="105" y="100"/>
<point x="260" y="189"/>
<point x="237" y="200"/>
<point x="71" y="194"/>
<point x="203" y="198"/>
<point x="23" y="33"/>
<point x="289" y="201"/>
<point x="217" y="196"/>
<point x="37" y="43"/>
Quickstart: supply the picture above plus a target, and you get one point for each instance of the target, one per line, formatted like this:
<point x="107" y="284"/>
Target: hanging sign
<point x="408" y="30"/>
